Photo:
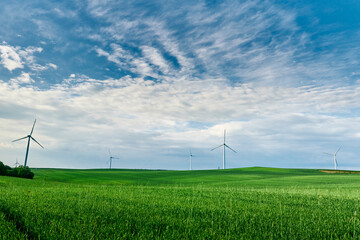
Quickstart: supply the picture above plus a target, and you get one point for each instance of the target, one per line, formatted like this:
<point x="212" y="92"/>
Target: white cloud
<point x="155" y="58"/>
<point x="16" y="57"/>
<point x="51" y="65"/>
<point x="23" y="78"/>
<point x="117" y="56"/>
<point x="28" y="57"/>
<point x="65" y="13"/>
<point x="89" y="115"/>
<point x="127" y="61"/>
<point x="172" y="45"/>
<point x="10" y="59"/>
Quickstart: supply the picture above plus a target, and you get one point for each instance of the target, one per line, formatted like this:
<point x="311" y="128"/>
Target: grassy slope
<point x="250" y="203"/>
<point x="252" y="177"/>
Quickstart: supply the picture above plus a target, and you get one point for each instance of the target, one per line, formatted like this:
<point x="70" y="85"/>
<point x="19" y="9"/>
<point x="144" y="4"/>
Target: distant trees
<point x="20" y="171"/>
<point x="2" y="169"/>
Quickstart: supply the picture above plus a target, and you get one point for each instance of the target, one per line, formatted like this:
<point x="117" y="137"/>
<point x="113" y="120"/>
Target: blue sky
<point x="151" y="79"/>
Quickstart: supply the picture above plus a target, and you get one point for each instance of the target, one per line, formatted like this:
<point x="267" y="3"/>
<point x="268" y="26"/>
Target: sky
<point x="151" y="79"/>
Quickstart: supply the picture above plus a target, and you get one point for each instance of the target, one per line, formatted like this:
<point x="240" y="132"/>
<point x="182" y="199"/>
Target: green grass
<point x="8" y="229"/>
<point x="249" y="203"/>
<point x="255" y="175"/>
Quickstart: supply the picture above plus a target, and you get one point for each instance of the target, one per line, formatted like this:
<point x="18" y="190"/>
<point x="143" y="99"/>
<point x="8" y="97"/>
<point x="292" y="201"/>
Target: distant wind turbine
<point x="28" y="144"/>
<point x="17" y="163"/>
<point x="224" y="145"/>
<point x="334" y="155"/>
<point x="111" y="158"/>
<point x="190" y="158"/>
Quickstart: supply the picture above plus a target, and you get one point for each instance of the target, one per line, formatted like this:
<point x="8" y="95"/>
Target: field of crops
<point x="250" y="203"/>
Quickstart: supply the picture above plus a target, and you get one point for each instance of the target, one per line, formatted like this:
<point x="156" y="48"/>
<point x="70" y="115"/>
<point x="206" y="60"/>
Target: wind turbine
<point x="190" y="158"/>
<point x="17" y="163"/>
<point x="224" y="145"/>
<point x="334" y="154"/>
<point x="28" y="144"/>
<point x="111" y="158"/>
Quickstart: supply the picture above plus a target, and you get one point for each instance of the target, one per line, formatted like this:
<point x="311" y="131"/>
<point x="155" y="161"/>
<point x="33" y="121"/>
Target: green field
<point x="248" y="203"/>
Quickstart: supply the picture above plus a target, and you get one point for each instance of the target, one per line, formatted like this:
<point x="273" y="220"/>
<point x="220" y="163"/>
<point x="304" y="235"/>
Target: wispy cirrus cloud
<point x="126" y="61"/>
<point x="155" y="58"/>
<point x="260" y="41"/>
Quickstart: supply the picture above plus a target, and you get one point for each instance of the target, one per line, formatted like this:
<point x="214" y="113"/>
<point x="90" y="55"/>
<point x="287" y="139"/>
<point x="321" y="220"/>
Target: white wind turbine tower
<point x="334" y="155"/>
<point x="224" y="145"/>
<point x="28" y="144"/>
<point x="190" y="158"/>
<point x="111" y="158"/>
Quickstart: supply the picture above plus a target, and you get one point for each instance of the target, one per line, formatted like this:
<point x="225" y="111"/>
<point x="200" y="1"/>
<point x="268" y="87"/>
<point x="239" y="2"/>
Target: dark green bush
<point x="24" y="172"/>
<point x="21" y="171"/>
<point x="2" y="169"/>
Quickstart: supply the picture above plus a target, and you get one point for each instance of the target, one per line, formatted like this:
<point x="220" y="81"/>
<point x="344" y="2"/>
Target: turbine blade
<point x="217" y="147"/>
<point x="36" y="141"/>
<point x="115" y="158"/>
<point x="190" y="151"/>
<point x="328" y="153"/>
<point x="338" y="150"/>
<point x="109" y="153"/>
<point x="33" y="127"/>
<point x="19" y="139"/>
<point x="224" y="135"/>
<point x="230" y="148"/>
